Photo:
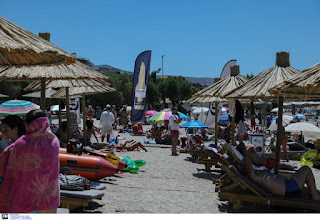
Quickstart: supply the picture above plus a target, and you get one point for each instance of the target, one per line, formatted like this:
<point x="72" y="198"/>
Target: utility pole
<point x="162" y="64"/>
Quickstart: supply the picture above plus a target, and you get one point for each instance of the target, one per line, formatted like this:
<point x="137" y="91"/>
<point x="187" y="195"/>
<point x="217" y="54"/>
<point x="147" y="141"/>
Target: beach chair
<point x="237" y="157"/>
<point x="238" y="189"/>
<point x="191" y="145"/>
<point x="70" y="199"/>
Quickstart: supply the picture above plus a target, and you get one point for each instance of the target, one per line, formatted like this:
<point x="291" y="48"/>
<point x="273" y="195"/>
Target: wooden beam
<point x="68" y="113"/>
<point x="84" y="117"/>
<point x="216" y="124"/>
<point x="277" y="158"/>
<point x="43" y="94"/>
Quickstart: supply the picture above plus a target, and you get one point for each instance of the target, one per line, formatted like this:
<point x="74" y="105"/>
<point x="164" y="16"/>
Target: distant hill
<point x="206" y="81"/>
<point x="104" y="68"/>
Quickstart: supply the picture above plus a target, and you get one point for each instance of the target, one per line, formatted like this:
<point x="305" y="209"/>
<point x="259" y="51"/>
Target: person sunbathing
<point x="280" y="185"/>
<point x="130" y="146"/>
<point x="250" y="152"/>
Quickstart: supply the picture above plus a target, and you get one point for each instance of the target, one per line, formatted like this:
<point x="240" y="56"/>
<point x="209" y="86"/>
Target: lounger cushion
<point x="86" y="194"/>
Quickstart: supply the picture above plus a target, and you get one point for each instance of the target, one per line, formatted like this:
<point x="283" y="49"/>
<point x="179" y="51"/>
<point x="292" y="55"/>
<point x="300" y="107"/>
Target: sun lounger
<point x="62" y="211"/>
<point x="238" y="189"/>
<point x="72" y="199"/>
<point x="237" y="157"/>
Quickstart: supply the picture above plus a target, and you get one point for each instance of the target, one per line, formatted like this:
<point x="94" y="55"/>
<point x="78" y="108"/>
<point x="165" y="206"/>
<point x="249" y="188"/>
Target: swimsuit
<point x="292" y="188"/>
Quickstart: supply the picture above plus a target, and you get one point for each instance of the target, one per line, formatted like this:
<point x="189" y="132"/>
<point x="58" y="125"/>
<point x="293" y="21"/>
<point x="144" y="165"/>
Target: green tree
<point x="249" y="76"/>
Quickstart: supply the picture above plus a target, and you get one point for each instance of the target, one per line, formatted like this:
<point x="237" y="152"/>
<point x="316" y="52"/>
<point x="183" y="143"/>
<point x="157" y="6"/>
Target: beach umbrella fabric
<point x="194" y="124"/>
<point x="286" y="119"/>
<point x="275" y="110"/>
<point x="202" y="117"/>
<point x="198" y="110"/>
<point x="302" y="126"/>
<point x="300" y="116"/>
<point x="150" y="113"/>
<point x="17" y="107"/>
<point x="224" y="109"/>
<point x="224" y="118"/>
<point x="163" y="117"/>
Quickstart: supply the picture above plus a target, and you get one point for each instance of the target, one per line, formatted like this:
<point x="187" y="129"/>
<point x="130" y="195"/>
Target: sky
<point x="197" y="37"/>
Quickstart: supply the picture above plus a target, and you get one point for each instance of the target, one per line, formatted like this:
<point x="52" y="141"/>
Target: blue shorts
<point x="292" y="188"/>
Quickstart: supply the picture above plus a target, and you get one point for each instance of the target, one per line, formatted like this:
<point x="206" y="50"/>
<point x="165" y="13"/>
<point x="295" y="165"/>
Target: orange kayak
<point x="89" y="166"/>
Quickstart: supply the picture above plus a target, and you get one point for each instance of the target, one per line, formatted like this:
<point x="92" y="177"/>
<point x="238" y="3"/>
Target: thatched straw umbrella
<point x="19" y="47"/>
<point x="83" y="91"/>
<point x="73" y="87"/>
<point x="305" y="84"/>
<point x="259" y="86"/>
<point x="213" y="93"/>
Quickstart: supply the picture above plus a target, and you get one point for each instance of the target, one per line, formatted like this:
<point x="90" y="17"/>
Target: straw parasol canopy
<point x="57" y="84"/>
<point x="84" y="90"/>
<point x="49" y="93"/>
<point x="19" y="47"/>
<point x="76" y="70"/>
<point x="307" y="83"/>
<point x="259" y="86"/>
<point x="218" y="89"/>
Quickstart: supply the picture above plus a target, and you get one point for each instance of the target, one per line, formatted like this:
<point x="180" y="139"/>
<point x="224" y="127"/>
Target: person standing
<point x="116" y="121"/>
<point x="174" y="120"/>
<point x="106" y="123"/>
<point x="124" y="116"/>
<point x="31" y="171"/>
<point x="90" y="112"/>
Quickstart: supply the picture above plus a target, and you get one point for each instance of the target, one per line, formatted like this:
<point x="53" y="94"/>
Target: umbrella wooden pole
<point x="277" y="159"/>
<point x="43" y="94"/>
<point x="84" y="117"/>
<point x="233" y="122"/>
<point x="216" y="125"/>
<point x="60" y="119"/>
<point x="68" y="113"/>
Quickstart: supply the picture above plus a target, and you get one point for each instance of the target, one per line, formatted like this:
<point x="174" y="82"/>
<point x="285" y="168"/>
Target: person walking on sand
<point x="106" y="123"/>
<point x="174" y="120"/>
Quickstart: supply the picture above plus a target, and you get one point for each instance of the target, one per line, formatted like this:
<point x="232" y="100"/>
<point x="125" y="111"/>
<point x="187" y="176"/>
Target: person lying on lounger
<point x="130" y="146"/>
<point x="250" y="152"/>
<point x="280" y="185"/>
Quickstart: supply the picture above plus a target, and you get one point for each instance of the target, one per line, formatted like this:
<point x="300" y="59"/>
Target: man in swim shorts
<point x="174" y="120"/>
<point x="280" y="185"/>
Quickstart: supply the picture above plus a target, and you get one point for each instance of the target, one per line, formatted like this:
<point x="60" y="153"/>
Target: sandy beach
<point x="168" y="184"/>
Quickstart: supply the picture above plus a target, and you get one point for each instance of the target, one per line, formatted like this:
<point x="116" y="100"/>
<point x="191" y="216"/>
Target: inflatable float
<point x="109" y="157"/>
<point x="89" y="166"/>
<point x="132" y="166"/>
<point x="309" y="157"/>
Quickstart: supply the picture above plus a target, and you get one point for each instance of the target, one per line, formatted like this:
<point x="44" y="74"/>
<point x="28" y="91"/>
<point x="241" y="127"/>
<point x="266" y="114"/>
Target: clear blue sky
<point x="196" y="37"/>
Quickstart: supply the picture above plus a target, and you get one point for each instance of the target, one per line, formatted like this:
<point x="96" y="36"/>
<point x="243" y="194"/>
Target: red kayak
<point x="89" y="166"/>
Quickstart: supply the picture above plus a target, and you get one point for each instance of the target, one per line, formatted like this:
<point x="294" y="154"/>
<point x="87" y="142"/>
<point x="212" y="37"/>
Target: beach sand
<point x="168" y="184"/>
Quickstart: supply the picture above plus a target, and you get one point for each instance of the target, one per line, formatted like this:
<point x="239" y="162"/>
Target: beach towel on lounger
<point x="31" y="178"/>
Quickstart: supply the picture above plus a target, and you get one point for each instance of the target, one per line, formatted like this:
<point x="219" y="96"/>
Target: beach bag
<point x="73" y="182"/>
